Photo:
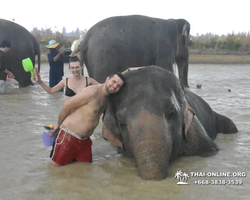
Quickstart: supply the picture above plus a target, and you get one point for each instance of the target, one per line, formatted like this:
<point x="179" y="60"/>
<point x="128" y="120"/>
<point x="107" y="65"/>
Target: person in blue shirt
<point x="55" y="58"/>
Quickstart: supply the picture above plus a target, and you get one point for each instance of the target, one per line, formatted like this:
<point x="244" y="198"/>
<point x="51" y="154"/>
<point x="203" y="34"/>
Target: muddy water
<point x="25" y="173"/>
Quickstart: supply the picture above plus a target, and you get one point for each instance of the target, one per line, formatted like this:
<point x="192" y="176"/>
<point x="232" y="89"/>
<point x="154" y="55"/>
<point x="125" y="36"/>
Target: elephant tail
<point x="83" y="47"/>
<point x="75" y="47"/>
<point x="39" y="60"/>
<point x="37" y="52"/>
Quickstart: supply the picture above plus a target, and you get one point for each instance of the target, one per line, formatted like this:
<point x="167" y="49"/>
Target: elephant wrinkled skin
<point x="23" y="45"/>
<point x="154" y="120"/>
<point x="116" y="43"/>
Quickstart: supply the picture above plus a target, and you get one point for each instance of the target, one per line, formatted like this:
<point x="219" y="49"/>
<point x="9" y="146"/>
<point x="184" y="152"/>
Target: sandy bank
<point x="203" y="59"/>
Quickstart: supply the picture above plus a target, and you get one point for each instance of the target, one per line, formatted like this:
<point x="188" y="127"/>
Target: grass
<point x="201" y="59"/>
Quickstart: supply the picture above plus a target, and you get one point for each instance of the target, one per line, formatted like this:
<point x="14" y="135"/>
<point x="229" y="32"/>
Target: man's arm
<point x="9" y="73"/>
<point x="58" y="56"/>
<point x="75" y="102"/>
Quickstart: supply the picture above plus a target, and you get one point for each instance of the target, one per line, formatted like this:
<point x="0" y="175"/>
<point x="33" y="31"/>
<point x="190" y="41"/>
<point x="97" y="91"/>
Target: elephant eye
<point x="170" y="114"/>
<point x="121" y="122"/>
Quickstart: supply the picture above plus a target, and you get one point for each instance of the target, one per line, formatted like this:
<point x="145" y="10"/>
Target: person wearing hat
<point x="4" y="48"/>
<point x="55" y="58"/>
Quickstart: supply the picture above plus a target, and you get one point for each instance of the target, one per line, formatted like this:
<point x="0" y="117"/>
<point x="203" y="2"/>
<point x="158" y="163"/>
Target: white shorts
<point x="2" y="87"/>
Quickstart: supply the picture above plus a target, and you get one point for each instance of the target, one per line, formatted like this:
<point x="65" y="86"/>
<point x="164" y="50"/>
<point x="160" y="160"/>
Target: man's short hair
<point x="74" y="59"/>
<point x="5" y="43"/>
<point x="120" y="76"/>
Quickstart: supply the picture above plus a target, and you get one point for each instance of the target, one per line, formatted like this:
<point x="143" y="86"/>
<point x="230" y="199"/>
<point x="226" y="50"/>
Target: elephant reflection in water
<point x="154" y="120"/>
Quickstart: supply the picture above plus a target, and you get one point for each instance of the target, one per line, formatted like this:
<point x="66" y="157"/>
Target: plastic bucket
<point x="28" y="65"/>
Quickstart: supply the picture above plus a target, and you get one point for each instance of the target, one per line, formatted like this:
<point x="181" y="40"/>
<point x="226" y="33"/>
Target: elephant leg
<point x="183" y="71"/>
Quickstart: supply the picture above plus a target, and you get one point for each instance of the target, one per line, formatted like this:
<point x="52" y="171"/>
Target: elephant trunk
<point x="152" y="160"/>
<point x="151" y="146"/>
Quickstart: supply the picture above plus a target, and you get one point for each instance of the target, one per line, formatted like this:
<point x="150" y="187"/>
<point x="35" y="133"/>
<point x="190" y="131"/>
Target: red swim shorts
<point x="69" y="148"/>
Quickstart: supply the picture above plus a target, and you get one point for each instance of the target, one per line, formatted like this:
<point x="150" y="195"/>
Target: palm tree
<point x="178" y="174"/>
<point x="185" y="176"/>
<point x="182" y="177"/>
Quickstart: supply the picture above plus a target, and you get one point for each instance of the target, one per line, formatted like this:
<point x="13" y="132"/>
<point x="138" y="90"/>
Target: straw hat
<point x="52" y="44"/>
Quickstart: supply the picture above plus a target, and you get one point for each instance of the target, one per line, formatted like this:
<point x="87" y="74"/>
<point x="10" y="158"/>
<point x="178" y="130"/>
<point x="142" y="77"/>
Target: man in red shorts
<point x="79" y="117"/>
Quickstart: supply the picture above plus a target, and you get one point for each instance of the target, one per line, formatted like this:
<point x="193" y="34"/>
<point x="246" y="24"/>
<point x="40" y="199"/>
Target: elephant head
<point x="151" y="121"/>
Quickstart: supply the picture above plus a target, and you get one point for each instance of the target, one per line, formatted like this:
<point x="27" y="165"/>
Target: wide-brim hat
<point x="52" y="44"/>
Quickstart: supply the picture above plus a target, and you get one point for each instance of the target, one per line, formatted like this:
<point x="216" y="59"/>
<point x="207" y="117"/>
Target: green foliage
<point x="203" y="44"/>
<point x="225" y="44"/>
<point x="43" y="36"/>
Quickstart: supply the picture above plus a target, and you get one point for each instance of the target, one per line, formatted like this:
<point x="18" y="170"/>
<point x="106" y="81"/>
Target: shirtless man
<point x="78" y="119"/>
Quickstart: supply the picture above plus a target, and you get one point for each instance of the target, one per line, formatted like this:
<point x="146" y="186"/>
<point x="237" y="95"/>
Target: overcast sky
<point x="215" y="16"/>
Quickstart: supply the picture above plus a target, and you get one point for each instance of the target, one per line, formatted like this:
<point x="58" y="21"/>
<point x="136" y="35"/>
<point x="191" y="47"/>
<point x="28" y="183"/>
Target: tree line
<point x="201" y="44"/>
<point x="230" y="44"/>
<point x="44" y="35"/>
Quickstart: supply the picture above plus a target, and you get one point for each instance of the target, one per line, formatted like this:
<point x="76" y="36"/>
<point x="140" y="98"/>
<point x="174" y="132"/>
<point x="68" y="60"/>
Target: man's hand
<point x="134" y="68"/>
<point x="52" y="132"/>
<point x="11" y="75"/>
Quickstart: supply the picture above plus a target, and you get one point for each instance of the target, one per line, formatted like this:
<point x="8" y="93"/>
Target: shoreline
<point x="199" y="59"/>
<point x="219" y="59"/>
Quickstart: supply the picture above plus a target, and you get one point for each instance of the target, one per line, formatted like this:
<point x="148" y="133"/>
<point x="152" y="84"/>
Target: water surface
<point x="26" y="175"/>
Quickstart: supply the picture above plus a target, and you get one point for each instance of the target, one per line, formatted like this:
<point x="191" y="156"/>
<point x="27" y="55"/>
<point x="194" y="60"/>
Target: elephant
<point x="23" y="45"/>
<point x="115" y="43"/>
<point x="154" y="120"/>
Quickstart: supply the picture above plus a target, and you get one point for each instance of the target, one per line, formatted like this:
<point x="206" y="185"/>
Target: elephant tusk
<point x="189" y="120"/>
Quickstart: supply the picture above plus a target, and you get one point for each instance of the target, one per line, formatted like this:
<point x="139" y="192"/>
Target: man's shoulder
<point x="94" y="88"/>
<point x="90" y="90"/>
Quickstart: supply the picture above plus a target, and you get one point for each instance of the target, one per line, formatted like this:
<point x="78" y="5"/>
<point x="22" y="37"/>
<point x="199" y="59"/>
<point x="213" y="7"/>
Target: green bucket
<point x="28" y="65"/>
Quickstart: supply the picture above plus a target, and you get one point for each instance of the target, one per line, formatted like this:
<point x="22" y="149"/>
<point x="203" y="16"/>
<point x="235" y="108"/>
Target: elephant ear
<point x="197" y="141"/>
<point x="110" y="129"/>
<point x="107" y="135"/>
<point x="185" y="33"/>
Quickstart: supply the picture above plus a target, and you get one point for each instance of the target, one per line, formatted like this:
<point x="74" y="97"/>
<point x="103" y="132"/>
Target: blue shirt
<point x="56" y="68"/>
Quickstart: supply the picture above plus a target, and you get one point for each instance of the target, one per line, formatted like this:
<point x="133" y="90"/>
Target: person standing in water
<point x="4" y="48"/>
<point x="72" y="84"/>
<point x="78" y="119"/>
<point x="55" y="58"/>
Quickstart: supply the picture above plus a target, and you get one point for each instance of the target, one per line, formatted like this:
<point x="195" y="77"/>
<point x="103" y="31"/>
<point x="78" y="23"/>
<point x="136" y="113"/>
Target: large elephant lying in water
<point x="155" y="120"/>
<point x="23" y="45"/>
<point x="116" y="43"/>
